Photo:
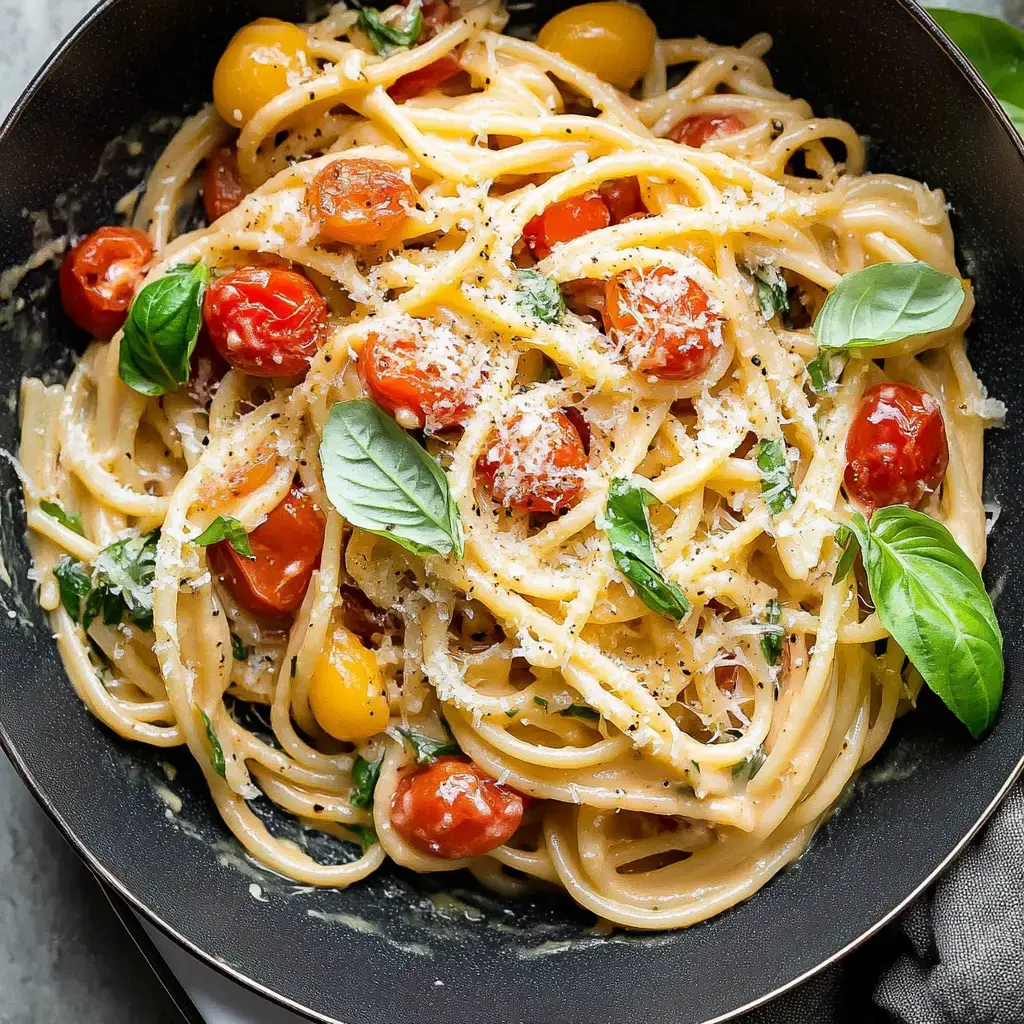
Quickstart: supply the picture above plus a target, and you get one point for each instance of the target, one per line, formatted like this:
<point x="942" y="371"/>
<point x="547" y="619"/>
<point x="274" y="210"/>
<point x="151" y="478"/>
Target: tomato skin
<point x="416" y="83"/>
<point x="623" y="199"/>
<point x="436" y="14"/>
<point x="896" y="451"/>
<point x="453" y="809"/>
<point x="677" y="334"/>
<point x="287" y="547"/>
<point x="222" y="184"/>
<point x="98" y="278"/>
<point x="359" y="201"/>
<point x="697" y="129"/>
<point x="726" y="677"/>
<point x="266" y="321"/>
<point x="565" y="220"/>
<point x="505" y="466"/>
<point x="394" y="373"/>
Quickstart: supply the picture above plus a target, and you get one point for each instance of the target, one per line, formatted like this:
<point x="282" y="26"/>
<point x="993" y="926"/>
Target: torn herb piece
<point x="229" y="529"/>
<point x="771" y="639"/>
<point x="426" y="749"/>
<point x="367" y="836"/>
<point x="216" y="750"/>
<point x="772" y="293"/>
<point x="776" y="481"/>
<point x="751" y="766"/>
<point x="583" y="711"/>
<point x="70" y="520"/>
<point x="365" y="775"/>
<point x="74" y="583"/>
<point x="539" y="296"/>
<point x="239" y="650"/>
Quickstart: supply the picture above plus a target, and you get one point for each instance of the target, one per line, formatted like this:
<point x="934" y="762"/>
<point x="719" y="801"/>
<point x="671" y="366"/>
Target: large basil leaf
<point x="540" y="296"/>
<point x="388" y="37"/>
<point x="628" y="528"/>
<point x="382" y="481"/>
<point x="887" y="302"/>
<point x="931" y="599"/>
<point x="161" y="331"/>
<point x="776" y="480"/>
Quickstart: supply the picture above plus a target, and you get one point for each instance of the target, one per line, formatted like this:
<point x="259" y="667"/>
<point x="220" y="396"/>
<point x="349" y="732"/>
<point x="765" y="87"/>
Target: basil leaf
<point x="367" y="836"/>
<point x="123" y="581"/>
<point x="776" y="481"/>
<point x="386" y="38"/>
<point x="426" y="749"/>
<point x="70" y="520"/>
<point x="587" y="713"/>
<point x="540" y="296"/>
<point x="239" y="650"/>
<point x="540" y="702"/>
<point x="161" y="331"/>
<point x="1014" y="113"/>
<point x="628" y="528"/>
<point x="365" y="775"/>
<point x="772" y="293"/>
<point x="382" y="481"/>
<point x="74" y="583"/>
<point x="887" y="302"/>
<point x="216" y="750"/>
<point x="226" y="528"/>
<point x="752" y="765"/>
<point x="771" y="639"/>
<point x="931" y="599"/>
<point x="846" y="539"/>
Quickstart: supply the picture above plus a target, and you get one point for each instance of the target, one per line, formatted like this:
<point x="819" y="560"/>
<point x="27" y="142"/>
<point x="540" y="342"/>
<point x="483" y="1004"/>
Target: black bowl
<point x="402" y="948"/>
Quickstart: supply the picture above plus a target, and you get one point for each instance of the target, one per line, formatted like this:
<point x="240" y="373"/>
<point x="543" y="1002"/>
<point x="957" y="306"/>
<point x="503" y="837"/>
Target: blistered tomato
<point x="416" y="83"/>
<point x="896" y="451"/>
<point x="222" y="186"/>
<point x="623" y="199"/>
<point x="565" y="220"/>
<point x="99" y="276"/>
<point x="698" y="129"/>
<point x="453" y="809"/>
<point x="266" y="321"/>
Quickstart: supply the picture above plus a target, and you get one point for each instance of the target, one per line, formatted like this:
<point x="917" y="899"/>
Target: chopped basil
<point x="161" y="331"/>
<point x="512" y="712"/>
<point x="776" y="482"/>
<point x="388" y="37"/>
<point x="845" y="540"/>
<point x="74" y="583"/>
<point x="772" y="294"/>
<point x="821" y="371"/>
<point x="931" y="599"/>
<point x="365" y="775"/>
<point x="426" y="749"/>
<point x="588" y="714"/>
<point x="239" y="650"/>
<point x="229" y="529"/>
<point x="71" y="520"/>
<point x="382" y="481"/>
<point x="367" y="836"/>
<point x="771" y="639"/>
<point x="216" y="750"/>
<point x="628" y="528"/>
<point x="540" y="296"/>
<point x="540" y="702"/>
<point x="751" y="766"/>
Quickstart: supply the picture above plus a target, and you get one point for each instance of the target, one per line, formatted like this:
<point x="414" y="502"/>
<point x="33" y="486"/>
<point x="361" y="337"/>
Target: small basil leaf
<point x="823" y="371"/>
<point x="367" y="836"/>
<point x="752" y="765"/>
<point x="426" y="749"/>
<point x="540" y="702"/>
<point x="583" y="711"/>
<point x="540" y="296"/>
<point x="216" y="750"/>
<point x="776" y="482"/>
<point x="931" y="599"/>
<point x="161" y="331"/>
<point x="364" y="775"/>
<point x="123" y="579"/>
<point x="628" y="528"/>
<point x="74" y="584"/>
<point x="772" y="294"/>
<point x="887" y="302"/>
<point x="847" y="540"/>
<point x="771" y="639"/>
<point x="226" y="528"/>
<point x="70" y="520"/>
<point x="386" y="37"/>
<point x="239" y="650"/>
<point x="382" y="481"/>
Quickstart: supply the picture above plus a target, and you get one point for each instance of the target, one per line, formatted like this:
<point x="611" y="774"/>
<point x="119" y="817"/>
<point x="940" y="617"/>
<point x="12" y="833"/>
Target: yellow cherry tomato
<point x="260" y="62"/>
<point x="612" y="40"/>
<point x="346" y="693"/>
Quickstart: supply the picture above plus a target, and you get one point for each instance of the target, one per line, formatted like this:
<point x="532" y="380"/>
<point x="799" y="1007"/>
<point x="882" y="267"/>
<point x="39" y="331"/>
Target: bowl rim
<point x="135" y="903"/>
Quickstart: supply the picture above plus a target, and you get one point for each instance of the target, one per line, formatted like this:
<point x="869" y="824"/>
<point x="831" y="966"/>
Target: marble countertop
<point x="63" y="954"/>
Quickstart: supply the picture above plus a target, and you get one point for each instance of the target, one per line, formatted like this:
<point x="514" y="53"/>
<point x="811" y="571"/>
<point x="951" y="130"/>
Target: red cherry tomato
<point x="416" y="83"/>
<point x="359" y="201"/>
<point x="436" y="14"/>
<point x="726" y="677"/>
<point x="287" y="547"/>
<point x="265" y="320"/>
<point x="579" y="421"/>
<point x="222" y="184"/>
<point x="535" y="462"/>
<point x="453" y="809"/>
<point x="663" y="321"/>
<point x="623" y="199"/>
<point x="425" y="371"/>
<point x="701" y="128"/>
<point x="207" y="369"/>
<point x="896" y="451"/>
<point x="99" y="276"/>
<point x="565" y="220"/>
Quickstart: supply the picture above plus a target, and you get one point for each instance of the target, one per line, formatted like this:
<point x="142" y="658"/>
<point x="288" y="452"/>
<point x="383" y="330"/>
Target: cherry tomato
<point x="287" y="547"/>
<point x="565" y="220"/>
<point x="726" y="677"/>
<point x="436" y="14"/>
<point x="207" y="369"/>
<point x="361" y="616"/>
<point x="623" y="199"/>
<point x="698" y="129"/>
<point x="425" y="371"/>
<point x="222" y="185"/>
<point x="535" y="463"/>
<point x="99" y="276"/>
<point x="453" y="809"/>
<point x="896" y="451"/>
<point x="663" y="321"/>
<point x="416" y="83"/>
<point x="241" y="479"/>
<point x="359" y="201"/>
<point x="265" y="320"/>
<point x="579" y="421"/>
